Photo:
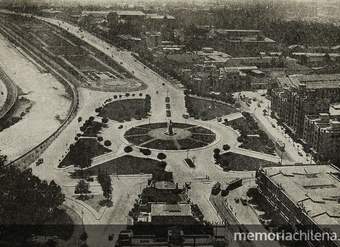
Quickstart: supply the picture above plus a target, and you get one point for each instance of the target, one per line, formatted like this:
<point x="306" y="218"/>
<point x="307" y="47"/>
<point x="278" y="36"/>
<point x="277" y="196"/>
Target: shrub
<point x="79" y="119"/>
<point x="163" y="164"/>
<point x="145" y="151"/>
<point x="100" y="138"/>
<point x="128" y="149"/>
<point x="161" y="156"/>
<point x="107" y="143"/>
<point x="217" y="151"/>
<point x="98" y="109"/>
<point x="91" y="118"/>
<point x="127" y="94"/>
<point x="115" y="96"/>
<point x="83" y="236"/>
<point x="105" y="120"/>
<point x="226" y="147"/>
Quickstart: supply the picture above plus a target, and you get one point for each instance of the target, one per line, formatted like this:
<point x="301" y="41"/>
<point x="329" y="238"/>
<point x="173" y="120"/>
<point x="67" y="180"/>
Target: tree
<point x="105" y="182"/>
<point x="82" y="188"/>
<point x="128" y="149"/>
<point x="217" y="158"/>
<point x="83" y="236"/>
<point x="161" y="156"/>
<point x="105" y="120"/>
<point x="107" y="143"/>
<point x="226" y="147"/>
<point x="24" y="198"/>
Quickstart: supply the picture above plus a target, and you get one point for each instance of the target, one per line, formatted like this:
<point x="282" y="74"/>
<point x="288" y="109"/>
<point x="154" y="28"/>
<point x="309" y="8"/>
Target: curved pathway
<point x="9" y="93"/>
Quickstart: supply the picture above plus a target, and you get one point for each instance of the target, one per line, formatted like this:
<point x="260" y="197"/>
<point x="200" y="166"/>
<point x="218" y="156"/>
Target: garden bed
<point x="124" y="110"/>
<point x="128" y="165"/>
<point x="238" y="162"/>
<point x="88" y="147"/>
<point x="207" y="109"/>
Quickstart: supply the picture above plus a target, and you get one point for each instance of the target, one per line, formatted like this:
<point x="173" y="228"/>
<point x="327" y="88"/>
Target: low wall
<point x="64" y="77"/>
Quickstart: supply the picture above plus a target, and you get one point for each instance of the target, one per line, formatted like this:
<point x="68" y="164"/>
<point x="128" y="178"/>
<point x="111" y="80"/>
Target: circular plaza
<point x="170" y="136"/>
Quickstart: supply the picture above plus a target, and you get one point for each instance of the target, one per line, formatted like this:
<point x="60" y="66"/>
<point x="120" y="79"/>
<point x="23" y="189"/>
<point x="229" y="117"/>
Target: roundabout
<point x="170" y="136"/>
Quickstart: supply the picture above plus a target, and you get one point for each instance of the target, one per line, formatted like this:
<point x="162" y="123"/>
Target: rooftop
<point x="313" y="81"/>
<point x="163" y="209"/>
<point x="334" y="110"/>
<point x="315" y="188"/>
<point x="130" y="13"/>
<point x="157" y="16"/>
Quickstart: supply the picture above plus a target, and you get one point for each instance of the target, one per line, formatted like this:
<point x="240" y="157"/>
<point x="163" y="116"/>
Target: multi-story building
<point x="301" y="95"/>
<point x="207" y="77"/>
<point x="322" y="135"/>
<point x="306" y="195"/>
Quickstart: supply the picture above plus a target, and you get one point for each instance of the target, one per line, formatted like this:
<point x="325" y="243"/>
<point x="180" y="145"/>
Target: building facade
<point x="302" y="95"/>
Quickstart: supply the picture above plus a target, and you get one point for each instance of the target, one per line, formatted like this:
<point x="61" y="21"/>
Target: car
<point x="216" y="188"/>
<point x="39" y="161"/>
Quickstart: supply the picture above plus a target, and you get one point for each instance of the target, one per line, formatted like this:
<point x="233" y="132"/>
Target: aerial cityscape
<point x="170" y="123"/>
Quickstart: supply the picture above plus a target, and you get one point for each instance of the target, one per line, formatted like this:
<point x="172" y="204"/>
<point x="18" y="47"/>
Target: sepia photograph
<point x="169" y="123"/>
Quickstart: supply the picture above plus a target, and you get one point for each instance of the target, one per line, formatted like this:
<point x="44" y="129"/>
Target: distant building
<point x="131" y="17"/>
<point x="152" y="39"/>
<point x="315" y="59"/>
<point x="235" y="41"/>
<point x="156" y="22"/>
<point x="303" y="195"/>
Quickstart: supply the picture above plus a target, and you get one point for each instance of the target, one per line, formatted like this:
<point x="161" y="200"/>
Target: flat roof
<point x="129" y="12"/>
<point x="312" y="81"/>
<point x="157" y="16"/>
<point x="316" y="188"/>
<point x="163" y="209"/>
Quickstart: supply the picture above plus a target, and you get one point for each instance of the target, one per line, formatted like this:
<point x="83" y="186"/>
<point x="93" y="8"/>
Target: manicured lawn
<point x="124" y="110"/>
<point x="207" y="109"/>
<point x="90" y="147"/>
<point x="238" y="162"/>
<point x="138" y="139"/>
<point x="162" y="144"/>
<point x="128" y="164"/>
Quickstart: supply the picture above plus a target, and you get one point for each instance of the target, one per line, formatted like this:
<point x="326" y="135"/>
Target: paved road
<point x="266" y="123"/>
<point x="158" y="88"/>
<point x="9" y="93"/>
